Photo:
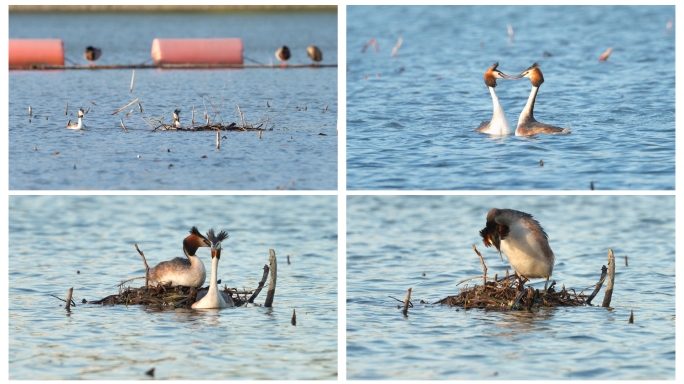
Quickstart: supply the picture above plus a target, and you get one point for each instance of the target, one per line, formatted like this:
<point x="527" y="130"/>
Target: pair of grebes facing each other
<point x="527" y="125"/>
<point x="190" y="271"/>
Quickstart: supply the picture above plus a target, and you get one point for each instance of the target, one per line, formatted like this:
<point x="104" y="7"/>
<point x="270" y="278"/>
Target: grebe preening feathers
<point x="283" y="54"/>
<point x="213" y="298"/>
<point x="498" y="125"/>
<point x="527" y="125"/>
<point x="78" y="125"/>
<point x="524" y="242"/>
<point x="188" y="271"/>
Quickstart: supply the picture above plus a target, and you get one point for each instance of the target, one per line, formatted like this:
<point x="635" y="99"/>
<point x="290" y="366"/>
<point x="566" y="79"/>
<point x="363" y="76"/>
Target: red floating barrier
<point x="28" y="52"/>
<point x="197" y="51"/>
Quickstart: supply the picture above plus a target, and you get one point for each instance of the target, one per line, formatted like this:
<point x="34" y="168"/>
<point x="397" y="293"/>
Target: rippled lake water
<point x="424" y="242"/>
<point x="294" y="155"/>
<point x="87" y="242"/>
<point x="411" y="118"/>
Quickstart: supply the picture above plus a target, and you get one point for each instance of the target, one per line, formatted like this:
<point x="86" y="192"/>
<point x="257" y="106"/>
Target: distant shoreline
<point x="173" y="8"/>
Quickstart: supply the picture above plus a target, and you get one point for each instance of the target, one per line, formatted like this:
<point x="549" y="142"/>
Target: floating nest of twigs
<point x="166" y="296"/>
<point x="217" y="127"/>
<point x="505" y="293"/>
<point x="501" y="294"/>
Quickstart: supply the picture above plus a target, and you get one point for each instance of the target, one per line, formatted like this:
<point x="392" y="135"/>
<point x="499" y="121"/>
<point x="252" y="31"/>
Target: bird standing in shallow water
<point x="91" y="54"/>
<point x="315" y="54"/>
<point x="283" y="54"/>
<point x="524" y="242"/>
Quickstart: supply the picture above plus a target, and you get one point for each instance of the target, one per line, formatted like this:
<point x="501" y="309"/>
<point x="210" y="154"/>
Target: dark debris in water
<point x="500" y="294"/>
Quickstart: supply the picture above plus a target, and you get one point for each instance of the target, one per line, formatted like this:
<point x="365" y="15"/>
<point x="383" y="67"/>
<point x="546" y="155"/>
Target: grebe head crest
<point x="80" y="112"/>
<point x="176" y="114"/>
<point x="216" y="242"/>
<point x="194" y="241"/>
<point x="492" y="74"/>
<point x="534" y="74"/>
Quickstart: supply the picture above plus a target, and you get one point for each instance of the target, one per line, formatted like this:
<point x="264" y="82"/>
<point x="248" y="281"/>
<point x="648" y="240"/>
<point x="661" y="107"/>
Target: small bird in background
<point x="283" y="54"/>
<point x="315" y="54"/>
<point x="91" y="54"/>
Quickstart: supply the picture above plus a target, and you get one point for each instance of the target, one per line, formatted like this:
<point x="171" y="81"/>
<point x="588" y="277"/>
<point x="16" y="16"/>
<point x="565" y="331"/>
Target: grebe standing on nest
<point x="283" y="54"/>
<point x="187" y="271"/>
<point x="213" y="298"/>
<point x="315" y="54"/>
<point x="527" y="125"/>
<point x="498" y="125"/>
<point x="176" y="118"/>
<point x="91" y="54"/>
<point x="523" y="240"/>
<point x="78" y="125"/>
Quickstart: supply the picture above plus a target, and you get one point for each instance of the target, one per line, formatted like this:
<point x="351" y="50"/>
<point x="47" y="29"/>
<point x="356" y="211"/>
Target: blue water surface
<point x="411" y="118"/>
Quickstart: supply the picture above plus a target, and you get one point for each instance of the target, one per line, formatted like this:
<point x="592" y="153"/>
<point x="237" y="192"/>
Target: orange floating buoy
<point x="197" y="51"/>
<point x="27" y="52"/>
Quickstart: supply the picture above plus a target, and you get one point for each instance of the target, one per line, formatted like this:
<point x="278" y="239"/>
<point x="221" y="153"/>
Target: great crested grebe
<point x="176" y="118"/>
<point x="523" y="240"/>
<point x="78" y="125"/>
<point x="213" y="298"/>
<point x="91" y="54"/>
<point x="187" y="271"/>
<point x="498" y="125"/>
<point x="283" y="54"/>
<point x="527" y="125"/>
<point x="315" y="54"/>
